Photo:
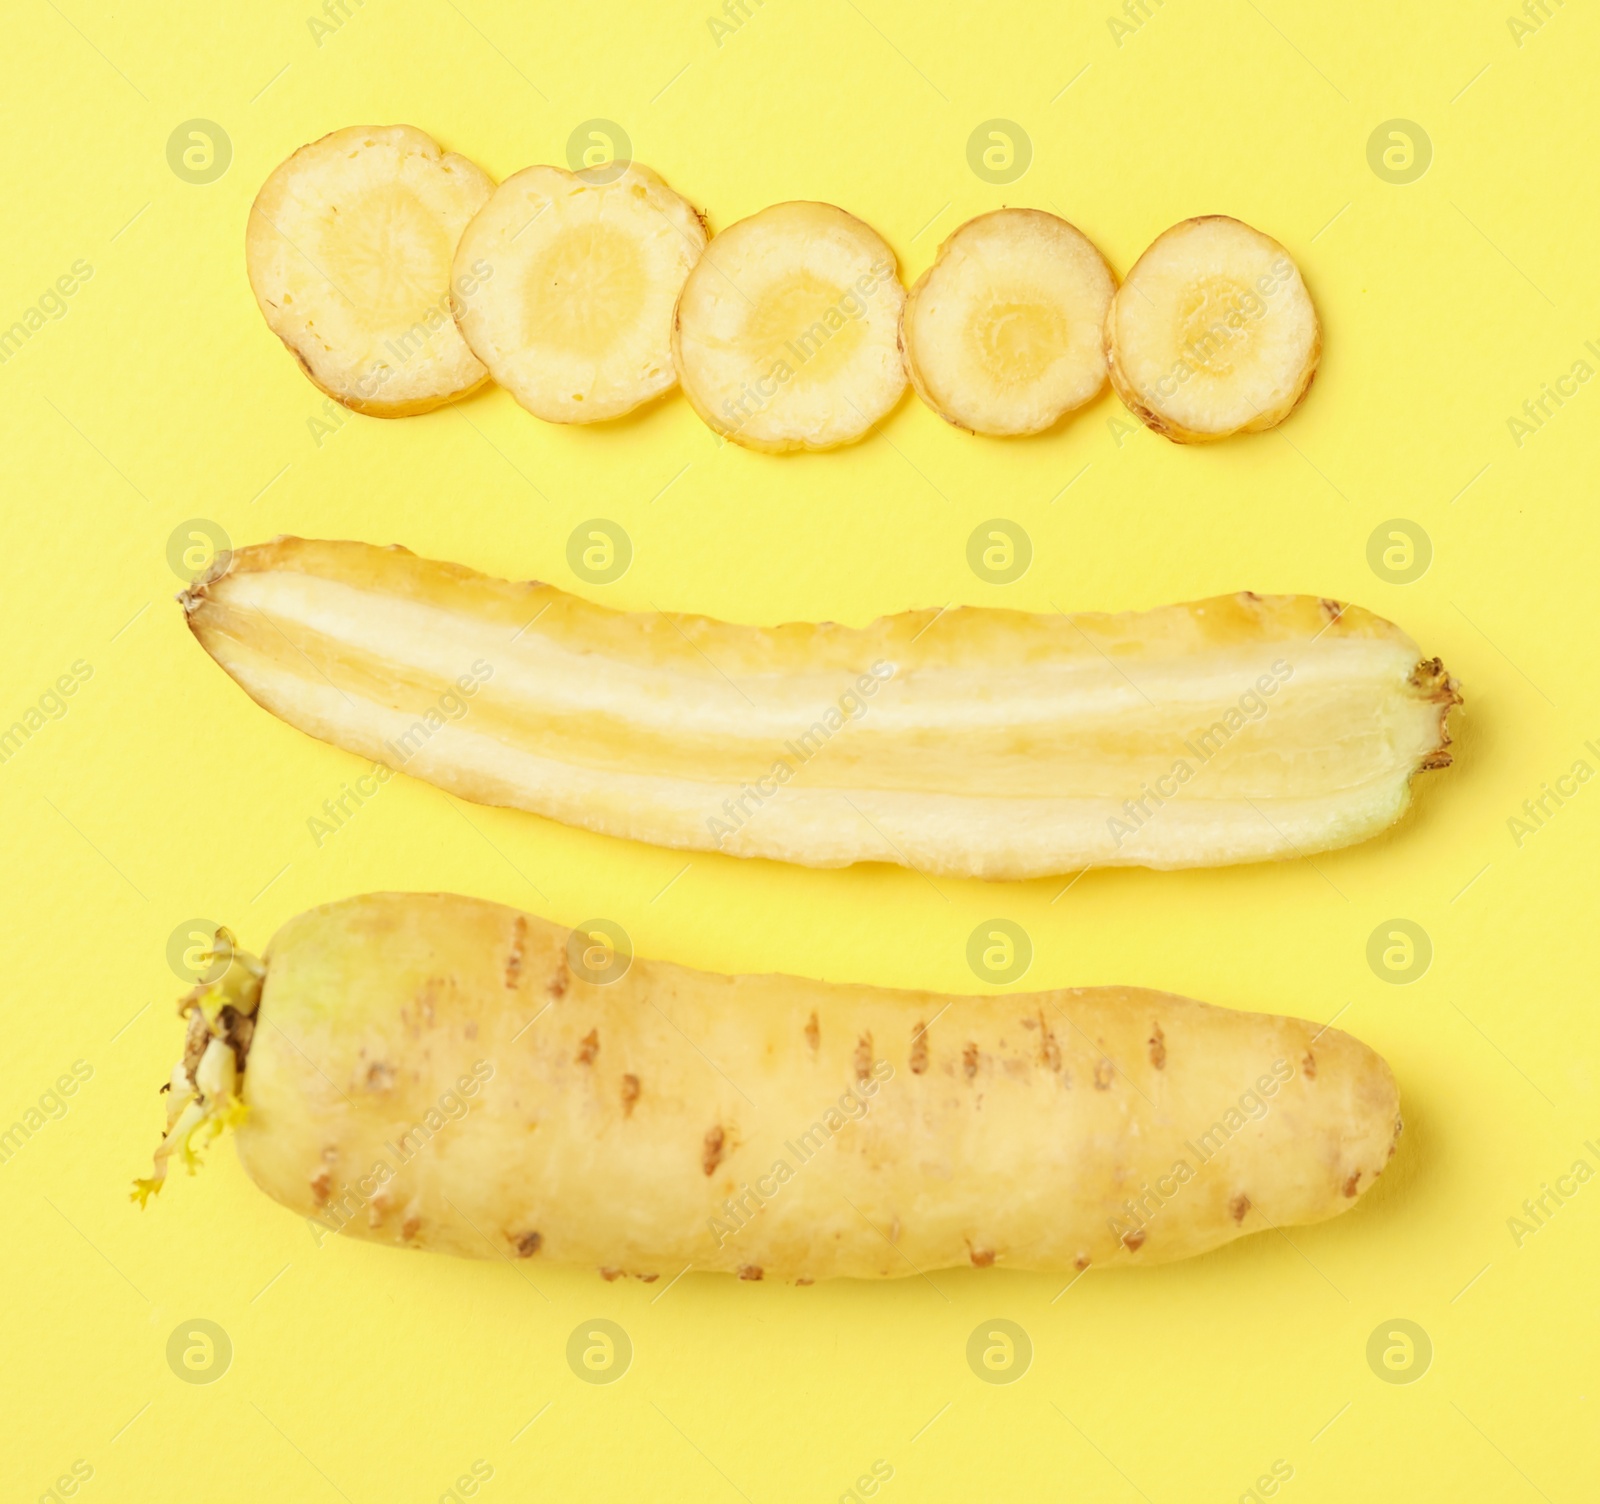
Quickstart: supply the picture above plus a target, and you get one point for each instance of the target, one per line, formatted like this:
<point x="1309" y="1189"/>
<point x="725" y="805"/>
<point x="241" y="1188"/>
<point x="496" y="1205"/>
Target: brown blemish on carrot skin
<point x="969" y="1060"/>
<point x="610" y="1275"/>
<point x="1331" y="609"/>
<point x="425" y="1006"/>
<point x="813" y="1033"/>
<point x="519" y="938"/>
<point x="1102" y="1074"/>
<point x="804" y="1280"/>
<point x="558" y="983"/>
<point x="412" y="1224"/>
<point x="919" y="1049"/>
<point x="1308" y="1064"/>
<point x="377" y="1209"/>
<point x="750" y="1271"/>
<point x="1351" y="1184"/>
<point x="380" y="1076"/>
<point x="630" y="1094"/>
<point x="711" y="1150"/>
<point x="864" y="1057"/>
<point x="527" y="1244"/>
<point x="588" y="1047"/>
<point x="1239" y="1207"/>
<point x="648" y="1279"/>
<point x="1158" y="1048"/>
<point x="1081" y="1262"/>
<point x="982" y="1258"/>
<point x="321" y="1186"/>
<point x="1047" y="1043"/>
<point x="1133" y="1241"/>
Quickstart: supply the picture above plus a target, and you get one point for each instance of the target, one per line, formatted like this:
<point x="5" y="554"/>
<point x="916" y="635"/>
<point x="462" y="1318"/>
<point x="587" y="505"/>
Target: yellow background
<point x="164" y="794"/>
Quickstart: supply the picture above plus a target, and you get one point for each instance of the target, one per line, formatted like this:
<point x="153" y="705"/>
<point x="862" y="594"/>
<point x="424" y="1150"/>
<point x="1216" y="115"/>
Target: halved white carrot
<point x="971" y="741"/>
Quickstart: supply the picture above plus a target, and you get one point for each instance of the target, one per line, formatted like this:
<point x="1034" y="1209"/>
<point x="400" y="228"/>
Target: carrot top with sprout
<point x="203" y="1092"/>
